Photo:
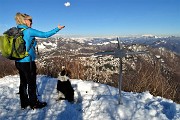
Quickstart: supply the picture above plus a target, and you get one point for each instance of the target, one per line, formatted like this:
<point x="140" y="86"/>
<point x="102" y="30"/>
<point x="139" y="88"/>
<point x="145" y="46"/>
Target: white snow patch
<point x="93" y="101"/>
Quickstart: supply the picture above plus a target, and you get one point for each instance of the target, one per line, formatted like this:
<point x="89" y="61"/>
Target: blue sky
<point x="97" y="17"/>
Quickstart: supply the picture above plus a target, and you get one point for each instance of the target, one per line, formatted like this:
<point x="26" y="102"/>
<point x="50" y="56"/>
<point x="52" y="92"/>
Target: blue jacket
<point x="29" y="35"/>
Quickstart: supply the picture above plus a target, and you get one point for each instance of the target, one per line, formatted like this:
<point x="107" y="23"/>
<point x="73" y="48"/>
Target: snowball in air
<point x="67" y="4"/>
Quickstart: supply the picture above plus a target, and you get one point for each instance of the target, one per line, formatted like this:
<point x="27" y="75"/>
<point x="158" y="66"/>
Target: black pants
<point x="27" y="72"/>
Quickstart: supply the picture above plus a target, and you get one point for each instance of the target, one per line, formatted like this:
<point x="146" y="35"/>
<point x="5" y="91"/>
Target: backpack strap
<point x="32" y="42"/>
<point x="30" y="46"/>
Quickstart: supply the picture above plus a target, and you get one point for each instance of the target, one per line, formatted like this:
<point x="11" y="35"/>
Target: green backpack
<point x="12" y="44"/>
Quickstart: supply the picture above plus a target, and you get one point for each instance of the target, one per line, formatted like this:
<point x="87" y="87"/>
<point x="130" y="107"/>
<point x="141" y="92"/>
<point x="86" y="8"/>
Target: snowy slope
<point x="93" y="102"/>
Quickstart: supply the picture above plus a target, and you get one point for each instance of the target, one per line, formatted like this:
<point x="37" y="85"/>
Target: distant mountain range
<point x="171" y="43"/>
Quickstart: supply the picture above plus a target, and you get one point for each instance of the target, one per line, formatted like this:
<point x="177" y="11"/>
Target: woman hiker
<point x="27" y="66"/>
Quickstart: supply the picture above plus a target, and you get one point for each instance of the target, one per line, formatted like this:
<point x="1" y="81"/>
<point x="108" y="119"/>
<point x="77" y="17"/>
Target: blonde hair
<point x="20" y="17"/>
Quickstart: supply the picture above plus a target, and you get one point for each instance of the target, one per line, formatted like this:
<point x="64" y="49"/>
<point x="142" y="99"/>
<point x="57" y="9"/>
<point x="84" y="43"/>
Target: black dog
<point x="64" y="88"/>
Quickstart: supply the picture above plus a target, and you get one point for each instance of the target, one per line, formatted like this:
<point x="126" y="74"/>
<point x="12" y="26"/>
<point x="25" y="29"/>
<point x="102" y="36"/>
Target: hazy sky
<point x="97" y="17"/>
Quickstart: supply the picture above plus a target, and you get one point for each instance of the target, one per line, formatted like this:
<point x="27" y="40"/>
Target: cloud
<point x="67" y="4"/>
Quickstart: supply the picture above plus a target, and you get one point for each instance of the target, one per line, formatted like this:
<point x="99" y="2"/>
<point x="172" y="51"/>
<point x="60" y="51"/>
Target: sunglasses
<point x="29" y="20"/>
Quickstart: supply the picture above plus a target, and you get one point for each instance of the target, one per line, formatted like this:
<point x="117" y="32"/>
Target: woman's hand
<point x="60" y="27"/>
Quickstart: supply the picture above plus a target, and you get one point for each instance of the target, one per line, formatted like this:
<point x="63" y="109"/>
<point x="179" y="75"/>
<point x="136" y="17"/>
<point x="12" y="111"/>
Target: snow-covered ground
<point x="93" y="102"/>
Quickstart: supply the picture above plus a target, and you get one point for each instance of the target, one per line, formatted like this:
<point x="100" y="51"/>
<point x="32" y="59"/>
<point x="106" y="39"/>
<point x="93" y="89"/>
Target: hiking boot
<point x="38" y="105"/>
<point x="24" y="106"/>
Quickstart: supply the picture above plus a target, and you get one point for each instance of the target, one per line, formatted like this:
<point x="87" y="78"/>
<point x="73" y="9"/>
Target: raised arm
<point x="37" y="33"/>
